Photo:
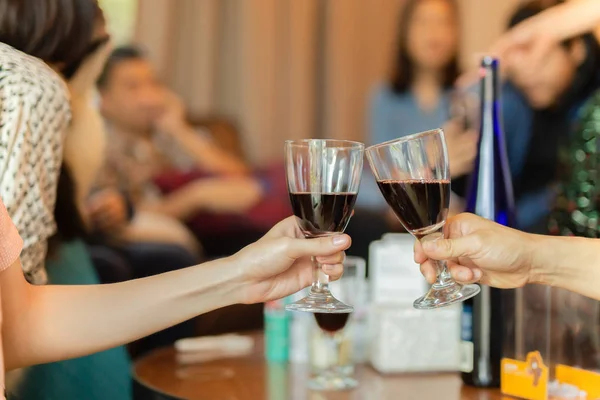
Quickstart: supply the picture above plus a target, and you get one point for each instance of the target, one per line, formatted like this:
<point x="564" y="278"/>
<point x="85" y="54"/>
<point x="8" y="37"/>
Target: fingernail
<point x="430" y="278"/>
<point x="462" y="276"/>
<point x="339" y="240"/>
<point x="477" y="274"/>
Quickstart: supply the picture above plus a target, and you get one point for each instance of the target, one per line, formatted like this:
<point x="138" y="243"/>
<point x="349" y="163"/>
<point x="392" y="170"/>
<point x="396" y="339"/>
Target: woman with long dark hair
<point x="416" y="98"/>
<point x="425" y="66"/>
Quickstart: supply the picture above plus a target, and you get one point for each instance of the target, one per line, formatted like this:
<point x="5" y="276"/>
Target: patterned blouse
<point x="34" y="114"/>
<point x="577" y="210"/>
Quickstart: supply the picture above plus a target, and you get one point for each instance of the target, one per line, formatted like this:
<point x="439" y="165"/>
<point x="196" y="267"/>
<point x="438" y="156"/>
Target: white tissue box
<point x="404" y="339"/>
<point x="394" y="276"/>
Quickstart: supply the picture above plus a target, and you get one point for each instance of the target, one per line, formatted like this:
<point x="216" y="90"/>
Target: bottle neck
<point x="490" y="99"/>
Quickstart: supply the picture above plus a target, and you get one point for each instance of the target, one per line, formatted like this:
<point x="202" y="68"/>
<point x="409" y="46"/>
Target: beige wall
<point x="288" y="68"/>
<point x="482" y="22"/>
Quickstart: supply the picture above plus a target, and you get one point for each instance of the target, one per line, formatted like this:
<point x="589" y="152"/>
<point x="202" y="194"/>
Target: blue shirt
<point x="393" y="115"/>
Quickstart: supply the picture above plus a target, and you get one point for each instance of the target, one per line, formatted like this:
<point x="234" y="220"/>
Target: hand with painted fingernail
<point x="279" y="264"/>
<point x="478" y="250"/>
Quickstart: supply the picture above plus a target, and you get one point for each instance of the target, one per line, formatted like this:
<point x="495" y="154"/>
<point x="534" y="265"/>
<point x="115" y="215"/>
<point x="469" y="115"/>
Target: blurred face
<point x="133" y="96"/>
<point x="432" y="34"/>
<point x="543" y="84"/>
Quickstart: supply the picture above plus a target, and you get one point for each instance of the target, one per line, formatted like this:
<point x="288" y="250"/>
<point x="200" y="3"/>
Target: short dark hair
<point x="119" y="55"/>
<point x="56" y="31"/>
<point x="402" y="74"/>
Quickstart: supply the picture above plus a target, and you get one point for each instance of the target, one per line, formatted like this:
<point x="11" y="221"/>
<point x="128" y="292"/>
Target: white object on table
<point x="394" y="276"/>
<point x="404" y="339"/>
<point x="208" y="348"/>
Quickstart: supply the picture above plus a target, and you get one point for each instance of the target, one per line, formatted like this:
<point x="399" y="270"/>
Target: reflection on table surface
<point x="252" y="378"/>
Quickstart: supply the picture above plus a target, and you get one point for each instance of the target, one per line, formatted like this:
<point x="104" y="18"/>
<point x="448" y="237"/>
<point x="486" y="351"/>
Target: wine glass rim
<point x="407" y="138"/>
<point x="343" y="143"/>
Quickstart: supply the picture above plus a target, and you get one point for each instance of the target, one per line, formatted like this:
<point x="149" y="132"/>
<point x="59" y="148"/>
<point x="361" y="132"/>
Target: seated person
<point x="169" y="170"/>
<point x="417" y="97"/>
<point x="554" y="94"/>
<point x="557" y="179"/>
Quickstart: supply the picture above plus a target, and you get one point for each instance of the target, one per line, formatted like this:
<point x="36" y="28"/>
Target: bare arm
<point x="479" y="250"/>
<point x="234" y="195"/>
<point x="49" y="323"/>
<point x="537" y="35"/>
<point x="207" y="154"/>
<point x="560" y="22"/>
<point x="570" y="263"/>
<point x="534" y="37"/>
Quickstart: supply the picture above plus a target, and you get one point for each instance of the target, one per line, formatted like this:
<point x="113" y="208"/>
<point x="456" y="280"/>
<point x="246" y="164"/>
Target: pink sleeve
<point x="11" y="243"/>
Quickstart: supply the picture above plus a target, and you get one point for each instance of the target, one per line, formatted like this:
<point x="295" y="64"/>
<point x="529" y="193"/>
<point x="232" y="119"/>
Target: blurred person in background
<point x="542" y="102"/>
<point x="555" y="187"/>
<point x="576" y="208"/>
<point x="172" y="172"/>
<point x="418" y="96"/>
<point x="83" y="157"/>
<point x="553" y="63"/>
<point x="537" y="35"/>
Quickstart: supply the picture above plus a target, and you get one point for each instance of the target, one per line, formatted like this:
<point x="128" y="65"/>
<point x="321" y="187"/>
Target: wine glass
<point x="323" y="177"/>
<point x="464" y="107"/>
<point x="413" y="175"/>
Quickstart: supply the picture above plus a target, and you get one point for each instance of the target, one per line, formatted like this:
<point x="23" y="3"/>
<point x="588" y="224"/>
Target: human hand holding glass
<point x="413" y="175"/>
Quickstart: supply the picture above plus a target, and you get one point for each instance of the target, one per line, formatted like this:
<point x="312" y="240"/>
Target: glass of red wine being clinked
<point x="323" y="177"/>
<point x="413" y="175"/>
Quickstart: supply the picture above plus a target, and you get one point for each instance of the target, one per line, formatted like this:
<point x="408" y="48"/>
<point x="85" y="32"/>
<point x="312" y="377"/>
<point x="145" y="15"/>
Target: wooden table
<point x="159" y="377"/>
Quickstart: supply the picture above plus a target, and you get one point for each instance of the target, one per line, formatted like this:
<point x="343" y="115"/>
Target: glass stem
<point x="444" y="278"/>
<point x="337" y="339"/>
<point x="320" y="283"/>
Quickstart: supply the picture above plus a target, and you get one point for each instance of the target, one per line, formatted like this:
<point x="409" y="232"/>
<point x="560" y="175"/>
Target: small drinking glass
<point x="332" y="365"/>
<point x="413" y="175"/>
<point x="323" y="177"/>
<point x="464" y="107"/>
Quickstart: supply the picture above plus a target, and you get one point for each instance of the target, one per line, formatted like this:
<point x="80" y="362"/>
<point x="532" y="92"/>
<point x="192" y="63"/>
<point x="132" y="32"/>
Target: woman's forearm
<point x="207" y="155"/>
<point x="571" y="263"/>
<point x="570" y="19"/>
<point x="180" y="204"/>
<point x="79" y="320"/>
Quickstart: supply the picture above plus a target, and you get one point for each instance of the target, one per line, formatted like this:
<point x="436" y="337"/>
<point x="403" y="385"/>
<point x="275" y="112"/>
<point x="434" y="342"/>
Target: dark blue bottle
<point x="490" y="195"/>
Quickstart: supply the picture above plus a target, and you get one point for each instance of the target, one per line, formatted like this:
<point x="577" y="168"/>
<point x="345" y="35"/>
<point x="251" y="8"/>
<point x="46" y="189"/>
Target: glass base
<point x="441" y="296"/>
<point x="328" y="381"/>
<point x="320" y="302"/>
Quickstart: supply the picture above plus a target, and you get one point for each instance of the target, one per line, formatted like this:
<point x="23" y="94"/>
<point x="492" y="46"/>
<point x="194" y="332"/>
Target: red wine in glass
<point x="331" y="322"/>
<point x="421" y="205"/>
<point x="321" y="214"/>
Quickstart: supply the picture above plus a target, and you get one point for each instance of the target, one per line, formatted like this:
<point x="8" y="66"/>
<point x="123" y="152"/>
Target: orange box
<point x="525" y="379"/>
